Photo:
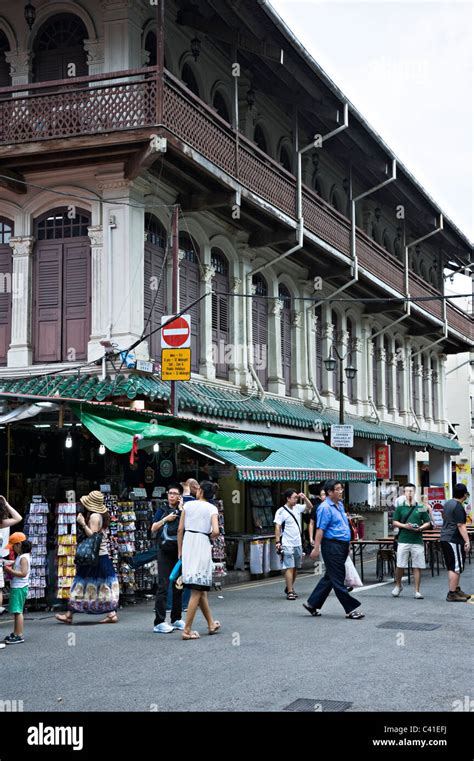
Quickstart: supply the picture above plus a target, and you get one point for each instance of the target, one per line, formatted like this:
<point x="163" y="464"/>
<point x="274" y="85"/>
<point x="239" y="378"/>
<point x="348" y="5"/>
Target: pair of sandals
<point x="66" y="618"/>
<point x="290" y="595"/>
<point x="196" y="635"/>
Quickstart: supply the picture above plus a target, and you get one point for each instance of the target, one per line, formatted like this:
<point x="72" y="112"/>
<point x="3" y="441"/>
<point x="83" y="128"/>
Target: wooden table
<point x="361" y="543"/>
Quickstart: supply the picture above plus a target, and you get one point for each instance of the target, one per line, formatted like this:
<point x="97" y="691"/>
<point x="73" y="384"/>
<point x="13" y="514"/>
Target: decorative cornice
<point x="276" y="307"/>
<point x="327" y="330"/>
<point x="22" y="246"/>
<point x="208" y="273"/>
<point x="19" y="62"/>
<point x="297" y="319"/>
<point x="95" y="51"/>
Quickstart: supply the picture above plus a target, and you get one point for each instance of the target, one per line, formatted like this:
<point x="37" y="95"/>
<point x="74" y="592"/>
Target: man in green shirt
<point x="411" y="519"/>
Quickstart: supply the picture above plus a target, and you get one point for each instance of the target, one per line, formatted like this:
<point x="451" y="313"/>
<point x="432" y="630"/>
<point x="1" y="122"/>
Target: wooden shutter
<point x="156" y="276"/>
<point x="260" y="338"/>
<point x="47" y="313"/>
<point x="189" y="291"/>
<point x="6" y="269"/>
<point x="220" y="323"/>
<point x="76" y="299"/>
<point x="286" y="348"/>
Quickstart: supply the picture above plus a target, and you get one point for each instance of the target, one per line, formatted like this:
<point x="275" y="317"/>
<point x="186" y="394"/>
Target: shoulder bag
<point x="87" y="552"/>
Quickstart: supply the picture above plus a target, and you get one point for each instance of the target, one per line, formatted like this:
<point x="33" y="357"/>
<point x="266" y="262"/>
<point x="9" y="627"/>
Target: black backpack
<point x="168" y="541"/>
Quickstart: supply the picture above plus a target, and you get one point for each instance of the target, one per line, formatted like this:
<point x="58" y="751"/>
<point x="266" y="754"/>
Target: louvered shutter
<point x="76" y="299"/>
<point x="220" y="323"/>
<point x="260" y="338"/>
<point x="189" y="291"/>
<point x="48" y="281"/>
<point x="154" y="277"/>
<point x="50" y="65"/>
<point x="6" y="269"/>
<point x="285" y="325"/>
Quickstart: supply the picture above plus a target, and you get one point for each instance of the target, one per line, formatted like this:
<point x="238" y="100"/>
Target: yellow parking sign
<point x="176" y="364"/>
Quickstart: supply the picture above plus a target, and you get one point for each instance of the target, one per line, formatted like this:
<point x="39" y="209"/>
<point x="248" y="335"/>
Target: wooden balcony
<point x="132" y="100"/>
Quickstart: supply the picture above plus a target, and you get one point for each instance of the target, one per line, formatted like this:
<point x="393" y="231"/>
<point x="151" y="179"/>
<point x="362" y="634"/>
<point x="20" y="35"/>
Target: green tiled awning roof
<point x="296" y="460"/>
<point x="214" y="401"/>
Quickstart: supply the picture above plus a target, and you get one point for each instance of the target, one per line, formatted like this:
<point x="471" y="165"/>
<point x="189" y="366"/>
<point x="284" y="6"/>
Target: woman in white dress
<point x="199" y="524"/>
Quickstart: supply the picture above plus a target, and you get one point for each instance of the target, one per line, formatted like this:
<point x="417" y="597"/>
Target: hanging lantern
<point x="30" y="14"/>
<point x="101" y="449"/>
<point x="68" y="443"/>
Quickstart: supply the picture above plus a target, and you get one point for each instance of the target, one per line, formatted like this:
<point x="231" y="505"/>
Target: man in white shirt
<point x="288" y="536"/>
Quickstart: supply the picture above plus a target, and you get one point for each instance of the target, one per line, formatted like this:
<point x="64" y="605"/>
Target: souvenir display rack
<point x="66" y="528"/>
<point x="36" y="528"/>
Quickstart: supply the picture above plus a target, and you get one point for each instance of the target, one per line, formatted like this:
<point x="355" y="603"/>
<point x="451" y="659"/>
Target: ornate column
<point x="416" y="389"/>
<point x="442" y="388"/>
<point x="327" y="340"/>
<point x="380" y="358"/>
<point x="237" y="355"/>
<point x="427" y="379"/>
<point x="20" y="68"/>
<point x="98" y="292"/>
<point x="20" y="353"/>
<point x="123" y="21"/>
<point x="299" y="370"/>
<point x="342" y="341"/>
<point x="276" y="382"/>
<point x="95" y="56"/>
<point x="391" y="369"/>
<point x="357" y="353"/>
<point x="206" y="364"/>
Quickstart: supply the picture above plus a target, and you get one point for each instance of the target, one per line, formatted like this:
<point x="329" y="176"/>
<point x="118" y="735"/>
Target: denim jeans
<point x="334" y="555"/>
<point x="166" y="563"/>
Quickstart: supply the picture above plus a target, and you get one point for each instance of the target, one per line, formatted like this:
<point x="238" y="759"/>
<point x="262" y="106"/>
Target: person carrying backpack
<point x="288" y="536"/>
<point x="166" y="522"/>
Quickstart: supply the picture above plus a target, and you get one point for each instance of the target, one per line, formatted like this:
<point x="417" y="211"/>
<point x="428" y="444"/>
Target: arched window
<point x="351" y="359"/>
<point x="285" y="159"/>
<point x="319" y="348"/>
<point x="335" y="336"/>
<point x="399" y="375"/>
<point x="58" y="44"/>
<point x="6" y="287"/>
<point x="189" y="287"/>
<point x="61" y="286"/>
<point x="150" y="47"/>
<point x="187" y="75"/>
<point x="285" y="325"/>
<point x="260" y="329"/>
<point x="220" y="311"/>
<point x="375" y="371"/>
<point x="155" y="299"/>
<point x="259" y="139"/>
<point x="5" y="79"/>
<point x="388" y="374"/>
<point x="220" y="105"/>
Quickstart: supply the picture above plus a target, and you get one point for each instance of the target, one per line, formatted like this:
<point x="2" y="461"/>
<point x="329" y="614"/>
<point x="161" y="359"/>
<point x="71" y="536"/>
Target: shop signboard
<point x="436" y="497"/>
<point x="464" y="476"/>
<point x="144" y="367"/>
<point x="382" y="462"/>
<point x="176" y="364"/>
<point x="342" y="436"/>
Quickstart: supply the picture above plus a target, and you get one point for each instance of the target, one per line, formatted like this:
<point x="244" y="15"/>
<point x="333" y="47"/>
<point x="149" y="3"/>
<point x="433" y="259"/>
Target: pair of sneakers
<point x="396" y="592"/>
<point x="14" y="639"/>
<point x="458" y="596"/>
<point x="165" y="628"/>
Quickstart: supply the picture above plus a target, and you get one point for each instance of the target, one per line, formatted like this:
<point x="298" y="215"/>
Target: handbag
<point x="87" y="552"/>
<point x="176" y="571"/>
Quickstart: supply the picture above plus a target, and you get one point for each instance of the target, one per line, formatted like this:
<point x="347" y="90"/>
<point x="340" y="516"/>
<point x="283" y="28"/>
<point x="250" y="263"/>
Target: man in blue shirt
<point x="333" y="536"/>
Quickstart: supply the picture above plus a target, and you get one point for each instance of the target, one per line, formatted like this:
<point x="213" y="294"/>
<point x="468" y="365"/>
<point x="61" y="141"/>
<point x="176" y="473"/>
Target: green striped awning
<point x="296" y="460"/>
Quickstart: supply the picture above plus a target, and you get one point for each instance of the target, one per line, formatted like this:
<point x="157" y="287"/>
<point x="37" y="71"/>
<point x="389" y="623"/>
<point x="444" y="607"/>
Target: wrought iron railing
<point x="133" y="99"/>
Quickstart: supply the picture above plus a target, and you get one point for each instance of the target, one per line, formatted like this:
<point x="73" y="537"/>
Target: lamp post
<point x="350" y="372"/>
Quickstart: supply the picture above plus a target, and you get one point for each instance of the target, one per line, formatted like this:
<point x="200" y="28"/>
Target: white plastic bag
<point x="352" y="577"/>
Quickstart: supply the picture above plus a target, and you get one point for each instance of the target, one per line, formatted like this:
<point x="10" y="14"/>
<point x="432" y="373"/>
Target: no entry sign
<point x="177" y="334"/>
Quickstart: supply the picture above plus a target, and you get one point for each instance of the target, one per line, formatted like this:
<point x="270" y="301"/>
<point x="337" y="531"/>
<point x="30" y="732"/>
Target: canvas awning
<point x="120" y="434"/>
<point x="296" y="460"/>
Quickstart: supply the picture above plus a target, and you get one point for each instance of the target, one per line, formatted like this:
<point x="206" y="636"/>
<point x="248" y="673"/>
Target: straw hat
<point x="94" y="502"/>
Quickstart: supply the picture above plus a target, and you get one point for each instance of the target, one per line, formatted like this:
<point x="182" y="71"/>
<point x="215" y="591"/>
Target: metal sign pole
<point x="175" y="296"/>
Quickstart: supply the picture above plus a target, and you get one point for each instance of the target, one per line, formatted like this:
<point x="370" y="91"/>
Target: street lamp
<point x="350" y="371"/>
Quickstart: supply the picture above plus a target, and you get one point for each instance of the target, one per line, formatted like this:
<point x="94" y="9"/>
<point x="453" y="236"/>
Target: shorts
<point x="454" y="556"/>
<point x="407" y="550"/>
<point x="17" y="600"/>
<point x="292" y="557"/>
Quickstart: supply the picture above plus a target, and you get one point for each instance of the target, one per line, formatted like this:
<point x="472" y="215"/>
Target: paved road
<point x="269" y="653"/>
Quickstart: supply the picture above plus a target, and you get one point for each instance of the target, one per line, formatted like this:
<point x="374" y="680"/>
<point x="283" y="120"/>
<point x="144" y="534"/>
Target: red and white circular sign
<point x="177" y="334"/>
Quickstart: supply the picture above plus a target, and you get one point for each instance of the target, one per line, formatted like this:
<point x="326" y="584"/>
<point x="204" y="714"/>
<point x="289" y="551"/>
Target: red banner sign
<point x="382" y="462"/>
